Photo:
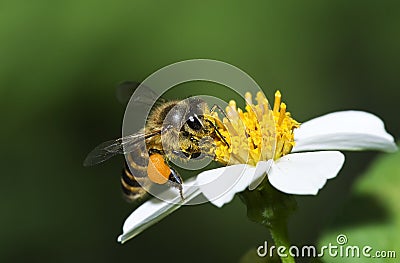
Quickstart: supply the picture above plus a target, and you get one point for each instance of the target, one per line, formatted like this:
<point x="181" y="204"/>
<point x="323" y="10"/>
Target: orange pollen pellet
<point x="157" y="170"/>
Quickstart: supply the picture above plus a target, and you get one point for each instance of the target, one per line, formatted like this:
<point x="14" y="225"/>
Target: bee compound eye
<point x="194" y="123"/>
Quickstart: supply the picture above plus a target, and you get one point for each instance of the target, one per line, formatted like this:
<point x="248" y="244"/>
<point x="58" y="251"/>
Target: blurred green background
<point x="60" y="63"/>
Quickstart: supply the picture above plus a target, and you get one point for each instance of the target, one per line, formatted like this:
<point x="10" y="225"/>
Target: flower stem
<point x="280" y="235"/>
<point x="271" y="208"/>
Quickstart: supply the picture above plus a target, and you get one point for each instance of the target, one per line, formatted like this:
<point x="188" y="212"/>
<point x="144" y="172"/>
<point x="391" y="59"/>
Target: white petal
<point x="345" y="130"/>
<point x="260" y="173"/>
<point x="305" y="173"/>
<point x="155" y="209"/>
<point x="220" y="185"/>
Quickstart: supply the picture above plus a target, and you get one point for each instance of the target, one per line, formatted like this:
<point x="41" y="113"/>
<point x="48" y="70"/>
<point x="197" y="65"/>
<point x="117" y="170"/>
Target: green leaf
<point x="371" y="217"/>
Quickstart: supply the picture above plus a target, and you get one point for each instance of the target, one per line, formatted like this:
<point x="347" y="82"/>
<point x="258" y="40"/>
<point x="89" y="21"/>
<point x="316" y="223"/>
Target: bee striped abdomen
<point x="132" y="186"/>
<point x="134" y="177"/>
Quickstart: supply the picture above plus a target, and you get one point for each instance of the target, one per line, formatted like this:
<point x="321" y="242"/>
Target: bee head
<point x="189" y="111"/>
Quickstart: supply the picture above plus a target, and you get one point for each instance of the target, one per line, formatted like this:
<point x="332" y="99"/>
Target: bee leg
<point x="159" y="172"/>
<point x="176" y="181"/>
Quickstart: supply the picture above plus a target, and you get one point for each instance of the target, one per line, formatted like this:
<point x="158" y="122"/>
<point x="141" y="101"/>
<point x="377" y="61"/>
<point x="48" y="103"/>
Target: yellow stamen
<point x="232" y="104"/>
<point x="248" y="98"/>
<point x="277" y="101"/>
<point x="258" y="133"/>
<point x="282" y="113"/>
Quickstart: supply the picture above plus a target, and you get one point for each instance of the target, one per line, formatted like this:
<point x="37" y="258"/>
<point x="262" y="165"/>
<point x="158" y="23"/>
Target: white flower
<point x="304" y="171"/>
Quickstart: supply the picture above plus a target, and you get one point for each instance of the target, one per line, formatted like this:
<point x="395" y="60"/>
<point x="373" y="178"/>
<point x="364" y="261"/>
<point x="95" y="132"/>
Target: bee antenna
<point x="219" y="134"/>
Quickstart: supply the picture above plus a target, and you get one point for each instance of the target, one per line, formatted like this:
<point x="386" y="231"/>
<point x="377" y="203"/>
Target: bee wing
<point x="125" y="90"/>
<point x="123" y="145"/>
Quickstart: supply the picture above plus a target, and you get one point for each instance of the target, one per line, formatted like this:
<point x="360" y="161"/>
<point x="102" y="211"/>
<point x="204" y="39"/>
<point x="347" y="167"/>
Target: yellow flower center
<point x="258" y="133"/>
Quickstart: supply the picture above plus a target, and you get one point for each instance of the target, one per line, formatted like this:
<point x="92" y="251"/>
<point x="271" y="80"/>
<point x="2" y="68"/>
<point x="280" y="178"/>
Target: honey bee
<point x="174" y="129"/>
